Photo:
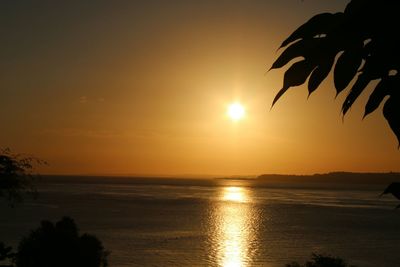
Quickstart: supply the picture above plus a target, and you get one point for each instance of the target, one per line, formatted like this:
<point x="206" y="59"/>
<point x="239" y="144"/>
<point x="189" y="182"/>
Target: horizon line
<point x="248" y="176"/>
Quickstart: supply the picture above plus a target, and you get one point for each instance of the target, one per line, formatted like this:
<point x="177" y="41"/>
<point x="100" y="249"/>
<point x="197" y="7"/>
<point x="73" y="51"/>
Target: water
<point x="159" y="222"/>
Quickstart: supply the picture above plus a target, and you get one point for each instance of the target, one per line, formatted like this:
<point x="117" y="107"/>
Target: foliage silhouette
<point x="60" y="245"/>
<point x="6" y="253"/>
<point x="394" y="189"/>
<point x="319" y="260"/>
<point x="16" y="175"/>
<point x="365" y="36"/>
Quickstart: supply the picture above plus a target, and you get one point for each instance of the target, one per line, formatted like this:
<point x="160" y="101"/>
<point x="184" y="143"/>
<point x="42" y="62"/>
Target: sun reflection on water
<point x="234" y="230"/>
<point x="235" y="194"/>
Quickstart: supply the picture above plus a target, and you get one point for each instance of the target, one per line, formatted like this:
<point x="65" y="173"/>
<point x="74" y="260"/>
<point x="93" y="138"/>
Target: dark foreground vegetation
<point x="319" y="260"/>
<point x="50" y="245"/>
<point x="58" y="244"/>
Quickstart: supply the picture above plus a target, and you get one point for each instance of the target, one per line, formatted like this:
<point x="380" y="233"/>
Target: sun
<point x="236" y="111"/>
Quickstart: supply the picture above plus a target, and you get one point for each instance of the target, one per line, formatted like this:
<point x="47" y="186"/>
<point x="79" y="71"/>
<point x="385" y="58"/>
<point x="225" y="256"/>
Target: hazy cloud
<point x="75" y="132"/>
<point x="83" y="100"/>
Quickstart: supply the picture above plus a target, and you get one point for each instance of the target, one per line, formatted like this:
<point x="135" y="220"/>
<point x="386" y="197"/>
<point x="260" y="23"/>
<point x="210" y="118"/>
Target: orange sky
<point x="142" y="87"/>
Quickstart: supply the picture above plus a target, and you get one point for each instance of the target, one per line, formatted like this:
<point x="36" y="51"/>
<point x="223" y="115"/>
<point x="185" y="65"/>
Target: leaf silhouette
<point x="356" y="90"/>
<point x="366" y="32"/>
<point x="319" y="74"/>
<point x="346" y="68"/>
<point x="390" y="111"/>
<point x="319" y="24"/>
<point x="294" y="76"/>
<point x="298" y="49"/>
<point x="382" y="89"/>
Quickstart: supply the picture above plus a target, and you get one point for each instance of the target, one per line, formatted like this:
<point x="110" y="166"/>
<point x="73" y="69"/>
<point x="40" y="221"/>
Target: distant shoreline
<point x="335" y="177"/>
<point x="264" y="179"/>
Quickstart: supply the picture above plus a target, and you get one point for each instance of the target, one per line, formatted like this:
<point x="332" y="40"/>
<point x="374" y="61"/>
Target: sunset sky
<point x="143" y="88"/>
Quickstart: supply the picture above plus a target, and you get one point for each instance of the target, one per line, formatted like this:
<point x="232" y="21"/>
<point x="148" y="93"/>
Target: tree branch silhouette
<point x="16" y="175"/>
<point x="365" y="38"/>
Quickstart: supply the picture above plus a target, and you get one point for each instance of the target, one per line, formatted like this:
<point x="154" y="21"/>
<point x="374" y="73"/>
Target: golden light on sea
<point x="235" y="194"/>
<point x="233" y="232"/>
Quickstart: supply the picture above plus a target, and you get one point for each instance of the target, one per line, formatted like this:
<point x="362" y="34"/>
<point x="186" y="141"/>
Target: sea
<point x="216" y="222"/>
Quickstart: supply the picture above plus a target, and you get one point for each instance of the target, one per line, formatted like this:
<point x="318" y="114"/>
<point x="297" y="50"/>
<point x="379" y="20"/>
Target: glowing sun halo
<point x="236" y="111"/>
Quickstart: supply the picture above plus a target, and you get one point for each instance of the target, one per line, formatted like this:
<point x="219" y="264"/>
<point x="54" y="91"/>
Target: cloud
<point x="83" y="100"/>
<point x="75" y="132"/>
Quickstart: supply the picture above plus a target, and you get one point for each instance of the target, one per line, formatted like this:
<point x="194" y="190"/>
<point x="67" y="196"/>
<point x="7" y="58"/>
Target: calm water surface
<point x="223" y="223"/>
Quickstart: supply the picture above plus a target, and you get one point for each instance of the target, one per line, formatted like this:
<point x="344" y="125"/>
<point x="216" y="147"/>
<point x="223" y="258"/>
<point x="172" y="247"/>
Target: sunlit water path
<point x="235" y="227"/>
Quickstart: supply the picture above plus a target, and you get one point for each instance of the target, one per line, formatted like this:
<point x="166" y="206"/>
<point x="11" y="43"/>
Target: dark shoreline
<point x="338" y="178"/>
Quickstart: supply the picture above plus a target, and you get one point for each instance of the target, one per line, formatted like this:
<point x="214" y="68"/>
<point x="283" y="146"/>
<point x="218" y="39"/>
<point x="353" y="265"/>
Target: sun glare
<point x="236" y="111"/>
<point x="234" y="194"/>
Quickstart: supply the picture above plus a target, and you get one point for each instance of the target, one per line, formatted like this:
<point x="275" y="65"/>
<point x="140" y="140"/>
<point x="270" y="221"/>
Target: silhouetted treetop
<point x="60" y="245"/>
<point x="319" y="260"/>
<point x="5" y="252"/>
<point x="16" y="175"/>
<point x="366" y="38"/>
